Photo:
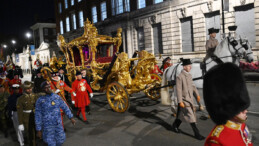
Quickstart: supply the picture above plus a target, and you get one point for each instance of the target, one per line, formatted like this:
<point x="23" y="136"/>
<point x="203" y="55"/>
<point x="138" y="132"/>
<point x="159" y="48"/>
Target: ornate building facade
<point x="175" y="28"/>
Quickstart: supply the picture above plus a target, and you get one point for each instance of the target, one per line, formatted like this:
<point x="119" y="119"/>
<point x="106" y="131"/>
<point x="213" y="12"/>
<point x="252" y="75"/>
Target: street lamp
<point x="5" y="46"/>
<point x="13" y="42"/>
<point x="28" y="35"/>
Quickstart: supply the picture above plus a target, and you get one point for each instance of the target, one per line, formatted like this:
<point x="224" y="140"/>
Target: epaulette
<point x="216" y="132"/>
<point x="213" y="141"/>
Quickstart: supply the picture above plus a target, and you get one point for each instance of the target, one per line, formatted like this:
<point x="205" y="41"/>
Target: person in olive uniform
<point x="3" y="103"/>
<point x="212" y="43"/>
<point x="25" y="109"/>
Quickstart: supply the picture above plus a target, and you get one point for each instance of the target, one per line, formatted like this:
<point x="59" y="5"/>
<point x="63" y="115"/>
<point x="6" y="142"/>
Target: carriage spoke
<point x="114" y="88"/>
<point x="112" y="92"/>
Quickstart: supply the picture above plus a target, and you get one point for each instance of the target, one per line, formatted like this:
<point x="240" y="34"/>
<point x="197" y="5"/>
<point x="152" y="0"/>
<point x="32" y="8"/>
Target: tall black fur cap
<point x="225" y="92"/>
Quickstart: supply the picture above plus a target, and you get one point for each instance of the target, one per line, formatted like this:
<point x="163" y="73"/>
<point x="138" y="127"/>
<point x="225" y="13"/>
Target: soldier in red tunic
<point x="81" y="100"/>
<point x="15" y="80"/>
<point x="226" y="99"/>
<point x="59" y="87"/>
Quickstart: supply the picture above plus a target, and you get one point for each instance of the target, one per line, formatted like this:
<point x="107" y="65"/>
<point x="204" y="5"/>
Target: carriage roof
<point x="89" y="43"/>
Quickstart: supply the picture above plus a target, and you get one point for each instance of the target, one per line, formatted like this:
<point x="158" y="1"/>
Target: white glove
<point x="91" y="95"/>
<point x="73" y="102"/>
<point x="21" y="127"/>
<point x="57" y="91"/>
<point x="74" y="93"/>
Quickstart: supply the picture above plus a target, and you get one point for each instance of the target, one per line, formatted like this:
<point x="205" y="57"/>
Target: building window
<point x="213" y="20"/>
<point x="120" y="6"/>
<point x="157" y="38"/>
<point x="54" y="31"/>
<point x="72" y="2"/>
<point x="141" y="4"/>
<point x="246" y="28"/>
<point x="46" y="31"/>
<point x="81" y="19"/>
<point x="67" y="24"/>
<point x="79" y="0"/>
<point x="94" y="14"/>
<point x="141" y="39"/>
<point x="103" y="10"/>
<point x="61" y="27"/>
<point x="187" y="35"/>
<point x="74" y="21"/>
<point x="66" y="5"/>
<point x="60" y="7"/>
<point x="158" y="1"/>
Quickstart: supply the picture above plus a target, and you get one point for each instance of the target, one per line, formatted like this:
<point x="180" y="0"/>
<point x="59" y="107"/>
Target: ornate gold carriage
<point x="109" y="69"/>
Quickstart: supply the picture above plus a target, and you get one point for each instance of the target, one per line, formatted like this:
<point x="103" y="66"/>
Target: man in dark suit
<point x="63" y="76"/>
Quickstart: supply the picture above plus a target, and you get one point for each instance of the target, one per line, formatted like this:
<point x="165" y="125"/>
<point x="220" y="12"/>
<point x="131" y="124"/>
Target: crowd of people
<point x="37" y="108"/>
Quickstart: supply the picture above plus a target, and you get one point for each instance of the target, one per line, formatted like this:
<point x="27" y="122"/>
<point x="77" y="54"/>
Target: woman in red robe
<point x="81" y="100"/>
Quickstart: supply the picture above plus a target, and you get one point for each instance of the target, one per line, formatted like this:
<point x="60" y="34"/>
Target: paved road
<point x="146" y="122"/>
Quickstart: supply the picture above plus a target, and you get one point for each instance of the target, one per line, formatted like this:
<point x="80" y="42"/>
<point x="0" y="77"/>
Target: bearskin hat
<point x="225" y="92"/>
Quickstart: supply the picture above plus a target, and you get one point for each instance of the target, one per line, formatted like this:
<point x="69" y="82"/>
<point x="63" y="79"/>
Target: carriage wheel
<point x="155" y="94"/>
<point x="117" y="97"/>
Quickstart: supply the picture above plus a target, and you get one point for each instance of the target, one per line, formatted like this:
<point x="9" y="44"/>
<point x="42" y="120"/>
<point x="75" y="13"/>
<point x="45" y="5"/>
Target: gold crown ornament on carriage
<point x="109" y="68"/>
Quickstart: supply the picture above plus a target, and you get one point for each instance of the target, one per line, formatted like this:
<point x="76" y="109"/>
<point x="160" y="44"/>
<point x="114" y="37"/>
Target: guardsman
<point x="59" y="87"/>
<point x="81" y="100"/>
<point x="84" y="76"/>
<point x="12" y="111"/>
<point x="37" y="82"/>
<point x="4" y="81"/>
<point x="156" y="70"/>
<point x="212" y="43"/>
<point x="48" y="117"/>
<point x="3" y="103"/>
<point x="15" y="80"/>
<point x="25" y="109"/>
<point x="227" y="100"/>
<point x="185" y="89"/>
<point x="166" y="63"/>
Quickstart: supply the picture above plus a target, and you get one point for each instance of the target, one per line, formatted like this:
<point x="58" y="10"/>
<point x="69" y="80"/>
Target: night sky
<point x="16" y="17"/>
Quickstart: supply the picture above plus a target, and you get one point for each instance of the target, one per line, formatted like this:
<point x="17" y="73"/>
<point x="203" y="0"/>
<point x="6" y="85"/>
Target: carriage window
<point x="86" y="52"/>
<point x="77" y="56"/>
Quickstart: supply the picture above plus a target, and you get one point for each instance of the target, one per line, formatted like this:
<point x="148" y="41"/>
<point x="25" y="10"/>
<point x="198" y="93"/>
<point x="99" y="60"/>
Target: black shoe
<point x="65" y="130"/>
<point x="77" y="116"/>
<point x="199" y="137"/>
<point x="86" y="122"/>
<point x="175" y="129"/>
<point x="88" y="113"/>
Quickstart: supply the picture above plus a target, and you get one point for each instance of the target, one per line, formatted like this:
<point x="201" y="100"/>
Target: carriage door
<point x="213" y="20"/>
<point x="187" y="34"/>
<point x="245" y="21"/>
